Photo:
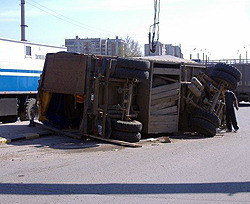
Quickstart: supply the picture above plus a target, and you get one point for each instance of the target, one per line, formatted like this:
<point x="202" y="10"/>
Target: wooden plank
<point x="164" y="105"/>
<point x="157" y="124"/>
<point x="162" y="125"/>
<point x="164" y="88"/>
<point x="165" y="129"/>
<point x="168" y="71"/>
<point x="80" y="136"/>
<point x="117" y="142"/>
<point x="167" y="118"/>
<point x="168" y="110"/>
<point x="164" y="94"/>
<point x="164" y="100"/>
<point x="167" y="78"/>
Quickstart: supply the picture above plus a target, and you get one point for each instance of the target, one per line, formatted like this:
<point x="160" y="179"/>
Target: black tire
<point x="210" y="117"/>
<point x="121" y="72"/>
<point x="203" y="127"/>
<point x="31" y="109"/>
<point x="127" y="126"/>
<point x="228" y="69"/>
<point x="229" y="81"/>
<point x="126" y="136"/>
<point x="9" y="119"/>
<point x="133" y="63"/>
<point x="23" y="115"/>
<point x="108" y="130"/>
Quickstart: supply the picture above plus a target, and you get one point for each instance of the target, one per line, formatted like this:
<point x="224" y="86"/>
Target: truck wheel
<point x="127" y="126"/>
<point x="31" y="110"/>
<point x="23" y="115"/>
<point x="228" y="80"/>
<point x="126" y="136"/>
<point x="203" y="127"/>
<point x="228" y="69"/>
<point x="9" y="119"/>
<point x="210" y="117"/>
<point x="121" y="72"/>
<point x="133" y="63"/>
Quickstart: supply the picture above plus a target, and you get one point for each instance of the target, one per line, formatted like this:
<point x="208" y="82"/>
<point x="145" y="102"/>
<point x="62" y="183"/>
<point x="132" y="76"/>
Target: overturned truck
<point x="121" y="98"/>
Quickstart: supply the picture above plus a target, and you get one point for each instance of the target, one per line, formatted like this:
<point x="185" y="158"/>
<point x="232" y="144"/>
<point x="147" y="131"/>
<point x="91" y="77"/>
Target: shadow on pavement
<point x="188" y="136"/>
<point x="12" y="131"/>
<point x="123" y="189"/>
<point x="58" y="142"/>
<point x="244" y="104"/>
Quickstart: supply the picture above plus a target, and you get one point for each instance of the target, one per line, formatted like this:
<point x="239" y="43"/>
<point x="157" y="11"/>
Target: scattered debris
<point x="165" y="140"/>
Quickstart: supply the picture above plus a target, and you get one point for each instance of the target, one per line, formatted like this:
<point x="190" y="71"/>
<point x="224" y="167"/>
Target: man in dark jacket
<point x="231" y="102"/>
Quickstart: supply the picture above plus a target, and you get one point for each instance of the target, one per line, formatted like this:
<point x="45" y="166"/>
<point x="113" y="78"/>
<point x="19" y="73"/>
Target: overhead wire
<point x="67" y="19"/>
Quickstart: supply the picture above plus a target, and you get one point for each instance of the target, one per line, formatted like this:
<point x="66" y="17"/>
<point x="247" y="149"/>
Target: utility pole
<point x="23" y="20"/>
<point x="107" y="46"/>
<point x="246" y="57"/>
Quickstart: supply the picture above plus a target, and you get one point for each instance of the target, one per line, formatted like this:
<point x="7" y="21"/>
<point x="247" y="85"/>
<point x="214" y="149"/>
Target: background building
<point x="158" y="50"/>
<point x="173" y="50"/>
<point x="164" y="49"/>
<point x="96" y="46"/>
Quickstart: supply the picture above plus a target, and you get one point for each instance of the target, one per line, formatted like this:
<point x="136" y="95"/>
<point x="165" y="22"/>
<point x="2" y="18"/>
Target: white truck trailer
<point x="21" y="64"/>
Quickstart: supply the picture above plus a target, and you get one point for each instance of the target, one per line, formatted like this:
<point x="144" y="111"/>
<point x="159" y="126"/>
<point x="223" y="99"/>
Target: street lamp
<point x="246" y="53"/>
<point x="201" y="50"/>
<point x="192" y="52"/>
<point x="238" y="52"/>
<point x="207" y="57"/>
<point x="203" y="54"/>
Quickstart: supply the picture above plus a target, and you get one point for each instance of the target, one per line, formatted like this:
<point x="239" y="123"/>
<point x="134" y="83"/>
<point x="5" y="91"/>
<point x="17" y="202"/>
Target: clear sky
<point x="219" y="28"/>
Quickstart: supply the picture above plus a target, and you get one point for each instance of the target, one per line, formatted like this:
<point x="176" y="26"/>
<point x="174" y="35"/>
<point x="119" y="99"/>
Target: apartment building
<point x="96" y="46"/>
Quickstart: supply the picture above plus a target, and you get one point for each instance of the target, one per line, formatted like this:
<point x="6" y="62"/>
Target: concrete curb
<point x="25" y="136"/>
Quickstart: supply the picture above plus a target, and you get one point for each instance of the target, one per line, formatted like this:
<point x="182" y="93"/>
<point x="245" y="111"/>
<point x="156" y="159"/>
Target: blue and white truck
<point x="21" y="64"/>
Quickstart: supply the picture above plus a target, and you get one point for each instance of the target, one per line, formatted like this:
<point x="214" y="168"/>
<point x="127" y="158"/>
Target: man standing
<point x="231" y="102"/>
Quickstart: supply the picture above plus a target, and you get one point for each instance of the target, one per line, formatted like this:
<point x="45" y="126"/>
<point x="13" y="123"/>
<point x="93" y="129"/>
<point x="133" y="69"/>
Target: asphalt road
<point x="58" y="169"/>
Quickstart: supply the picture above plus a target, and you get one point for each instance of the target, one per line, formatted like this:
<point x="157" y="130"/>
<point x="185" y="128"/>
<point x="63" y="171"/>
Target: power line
<point x="70" y="18"/>
<point x="67" y="19"/>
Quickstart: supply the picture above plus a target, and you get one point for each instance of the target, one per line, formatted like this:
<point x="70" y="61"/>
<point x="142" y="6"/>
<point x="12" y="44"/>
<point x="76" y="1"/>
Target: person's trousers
<point x="231" y="119"/>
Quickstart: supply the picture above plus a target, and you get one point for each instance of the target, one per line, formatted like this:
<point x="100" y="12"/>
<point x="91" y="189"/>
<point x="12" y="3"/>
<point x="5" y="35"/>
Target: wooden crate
<point x="159" y="97"/>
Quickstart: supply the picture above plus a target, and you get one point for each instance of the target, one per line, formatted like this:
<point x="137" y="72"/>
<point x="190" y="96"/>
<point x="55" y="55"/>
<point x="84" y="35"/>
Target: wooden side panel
<point x="163" y="124"/>
<point x="168" y="103"/>
<point x="166" y="128"/>
<point x="164" y="100"/>
<point x="164" y="111"/>
<point x="65" y="73"/>
<point x="164" y="94"/>
<point x="164" y="88"/>
<point x="167" y="71"/>
<point x="163" y="118"/>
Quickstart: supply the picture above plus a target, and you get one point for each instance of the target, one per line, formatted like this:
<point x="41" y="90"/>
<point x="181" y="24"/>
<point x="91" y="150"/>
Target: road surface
<point x="58" y="169"/>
